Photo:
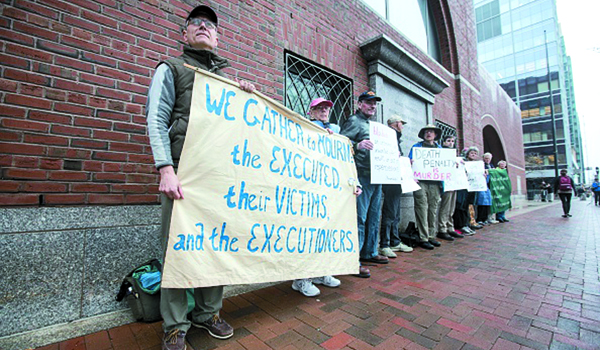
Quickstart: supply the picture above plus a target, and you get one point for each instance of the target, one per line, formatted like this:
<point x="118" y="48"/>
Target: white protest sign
<point x="269" y="196"/>
<point x="408" y="182"/>
<point x="435" y="164"/>
<point x="458" y="180"/>
<point x="385" y="162"/>
<point x="475" y="176"/>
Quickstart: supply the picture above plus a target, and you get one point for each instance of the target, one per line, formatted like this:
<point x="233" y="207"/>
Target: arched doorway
<point x="493" y="144"/>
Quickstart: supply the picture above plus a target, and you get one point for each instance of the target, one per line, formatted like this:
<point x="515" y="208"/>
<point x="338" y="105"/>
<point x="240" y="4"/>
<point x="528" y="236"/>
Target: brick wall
<point x="75" y="73"/>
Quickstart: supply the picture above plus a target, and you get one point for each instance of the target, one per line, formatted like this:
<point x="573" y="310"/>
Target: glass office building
<point x="512" y="39"/>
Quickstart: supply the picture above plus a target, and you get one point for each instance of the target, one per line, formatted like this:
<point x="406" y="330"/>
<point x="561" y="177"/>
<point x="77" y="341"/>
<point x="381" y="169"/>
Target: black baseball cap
<point x="203" y="10"/>
<point x="368" y="95"/>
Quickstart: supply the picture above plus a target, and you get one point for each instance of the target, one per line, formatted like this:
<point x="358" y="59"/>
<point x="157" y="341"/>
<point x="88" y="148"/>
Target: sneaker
<point x="216" y="327"/>
<point x="327" y="281"/>
<point x="569" y="215"/>
<point x="306" y="287"/>
<point x="494" y="221"/>
<point x="401" y="247"/>
<point x="174" y="340"/>
<point x="467" y="231"/>
<point x="387" y="251"/>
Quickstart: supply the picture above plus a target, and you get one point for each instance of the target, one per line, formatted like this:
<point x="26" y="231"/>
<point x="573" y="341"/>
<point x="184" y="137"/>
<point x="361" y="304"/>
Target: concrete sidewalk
<point x="532" y="283"/>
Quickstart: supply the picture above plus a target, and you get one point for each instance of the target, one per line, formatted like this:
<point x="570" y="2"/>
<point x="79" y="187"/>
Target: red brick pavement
<point x="532" y="283"/>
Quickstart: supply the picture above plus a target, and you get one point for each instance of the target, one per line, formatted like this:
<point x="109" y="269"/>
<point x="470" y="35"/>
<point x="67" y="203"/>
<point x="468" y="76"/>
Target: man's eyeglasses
<point x="199" y="21"/>
<point x="322" y="108"/>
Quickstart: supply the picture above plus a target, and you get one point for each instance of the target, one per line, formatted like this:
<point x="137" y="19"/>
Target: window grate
<point x="446" y="129"/>
<point x="305" y="81"/>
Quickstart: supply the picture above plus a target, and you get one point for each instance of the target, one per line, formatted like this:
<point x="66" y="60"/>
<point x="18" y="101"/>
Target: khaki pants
<point x="447" y="206"/>
<point x="426" y="200"/>
<point x="173" y="302"/>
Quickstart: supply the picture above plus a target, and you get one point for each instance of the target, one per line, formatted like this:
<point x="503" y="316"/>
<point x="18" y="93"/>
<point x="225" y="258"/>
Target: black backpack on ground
<point x="410" y="236"/>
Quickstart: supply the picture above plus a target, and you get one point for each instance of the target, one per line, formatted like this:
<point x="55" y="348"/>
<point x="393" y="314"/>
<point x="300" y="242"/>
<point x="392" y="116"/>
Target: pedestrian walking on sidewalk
<point x="564" y="185"/>
<point x="168" y="112"/>
<point x="596" y="190"/>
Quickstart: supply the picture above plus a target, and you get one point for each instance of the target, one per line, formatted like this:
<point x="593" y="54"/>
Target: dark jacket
<point x="356" y="128"/>
<point x="557" y="185"/>
<point x="184" y="84"/>
<point x="399" y="136"/>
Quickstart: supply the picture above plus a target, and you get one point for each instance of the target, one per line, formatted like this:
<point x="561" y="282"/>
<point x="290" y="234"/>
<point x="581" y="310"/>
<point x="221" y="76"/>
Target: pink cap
<point x="321" y="100"/>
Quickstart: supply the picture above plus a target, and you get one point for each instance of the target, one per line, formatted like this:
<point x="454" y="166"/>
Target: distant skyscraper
<point x="511" y="46"/>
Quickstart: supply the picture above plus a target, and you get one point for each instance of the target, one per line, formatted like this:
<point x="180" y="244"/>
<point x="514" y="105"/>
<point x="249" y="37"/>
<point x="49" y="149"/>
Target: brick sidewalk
<point x="532" y="283"/>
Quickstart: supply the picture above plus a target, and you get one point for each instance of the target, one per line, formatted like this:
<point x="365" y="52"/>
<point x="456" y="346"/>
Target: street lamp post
<point x="551" y="110"/>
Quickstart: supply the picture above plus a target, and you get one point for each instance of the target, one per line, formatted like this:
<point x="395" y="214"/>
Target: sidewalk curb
<point x="80" y="327"/>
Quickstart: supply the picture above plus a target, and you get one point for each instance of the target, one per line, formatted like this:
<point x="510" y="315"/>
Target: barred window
<point x="446" y="129"/>
<point x="305" y="81"/>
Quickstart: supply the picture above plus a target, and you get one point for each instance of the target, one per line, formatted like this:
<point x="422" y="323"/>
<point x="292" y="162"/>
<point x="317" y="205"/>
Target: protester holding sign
<point x="168" y="109"/>
<point x="356" y="128"/>
<point x="484" y="198"/>
<point x="501" y="215"/>
<point x="564" y="185"/>
<point x="475" y="178"/>
<point x="427" y="199"/>
<point x="389" y="240"/>
<point x="448" y="204"/>
<point x="461" y="211"/>
<point x="318" y="113"/>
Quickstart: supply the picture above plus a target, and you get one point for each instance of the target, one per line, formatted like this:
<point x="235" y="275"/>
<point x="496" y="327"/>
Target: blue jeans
<point x="368" y="211"/>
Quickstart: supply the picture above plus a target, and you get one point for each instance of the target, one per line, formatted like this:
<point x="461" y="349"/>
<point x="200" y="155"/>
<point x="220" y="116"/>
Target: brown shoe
<point x="174" y="340"/>
<point x="216" y="327"/>
<point x="377" y="259"/>
<point x="363" y="273"/>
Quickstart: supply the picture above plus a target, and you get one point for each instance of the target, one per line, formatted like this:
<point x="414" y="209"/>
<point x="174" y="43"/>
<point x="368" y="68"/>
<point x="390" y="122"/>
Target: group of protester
<point x="445" y="215"/>
<point x="168" y="109"/>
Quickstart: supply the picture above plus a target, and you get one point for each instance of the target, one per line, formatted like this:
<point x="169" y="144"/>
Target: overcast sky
<point x="581" y="29"/>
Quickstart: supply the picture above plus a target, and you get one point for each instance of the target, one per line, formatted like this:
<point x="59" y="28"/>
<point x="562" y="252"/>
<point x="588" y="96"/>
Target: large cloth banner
<point x="458" y="180"/>
<point x="408" y="182"/>
<point x="501" y="188"/>
<point x="476" y="176"/>
<point x="268" y="195"/>
<point x="433" y="163"/>
<point x="385" y="156"/>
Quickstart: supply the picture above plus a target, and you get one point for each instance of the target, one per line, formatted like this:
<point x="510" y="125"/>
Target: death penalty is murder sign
<point x="436" y="164"/>
<point x="268" y="195"/>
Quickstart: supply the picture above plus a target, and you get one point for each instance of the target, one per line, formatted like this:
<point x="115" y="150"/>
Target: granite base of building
<point x="62" y="268"/>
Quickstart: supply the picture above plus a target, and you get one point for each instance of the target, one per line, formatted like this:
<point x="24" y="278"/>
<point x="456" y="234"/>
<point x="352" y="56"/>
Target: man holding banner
<point x="428" y="197"/>
<point x="168" y="111"/>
